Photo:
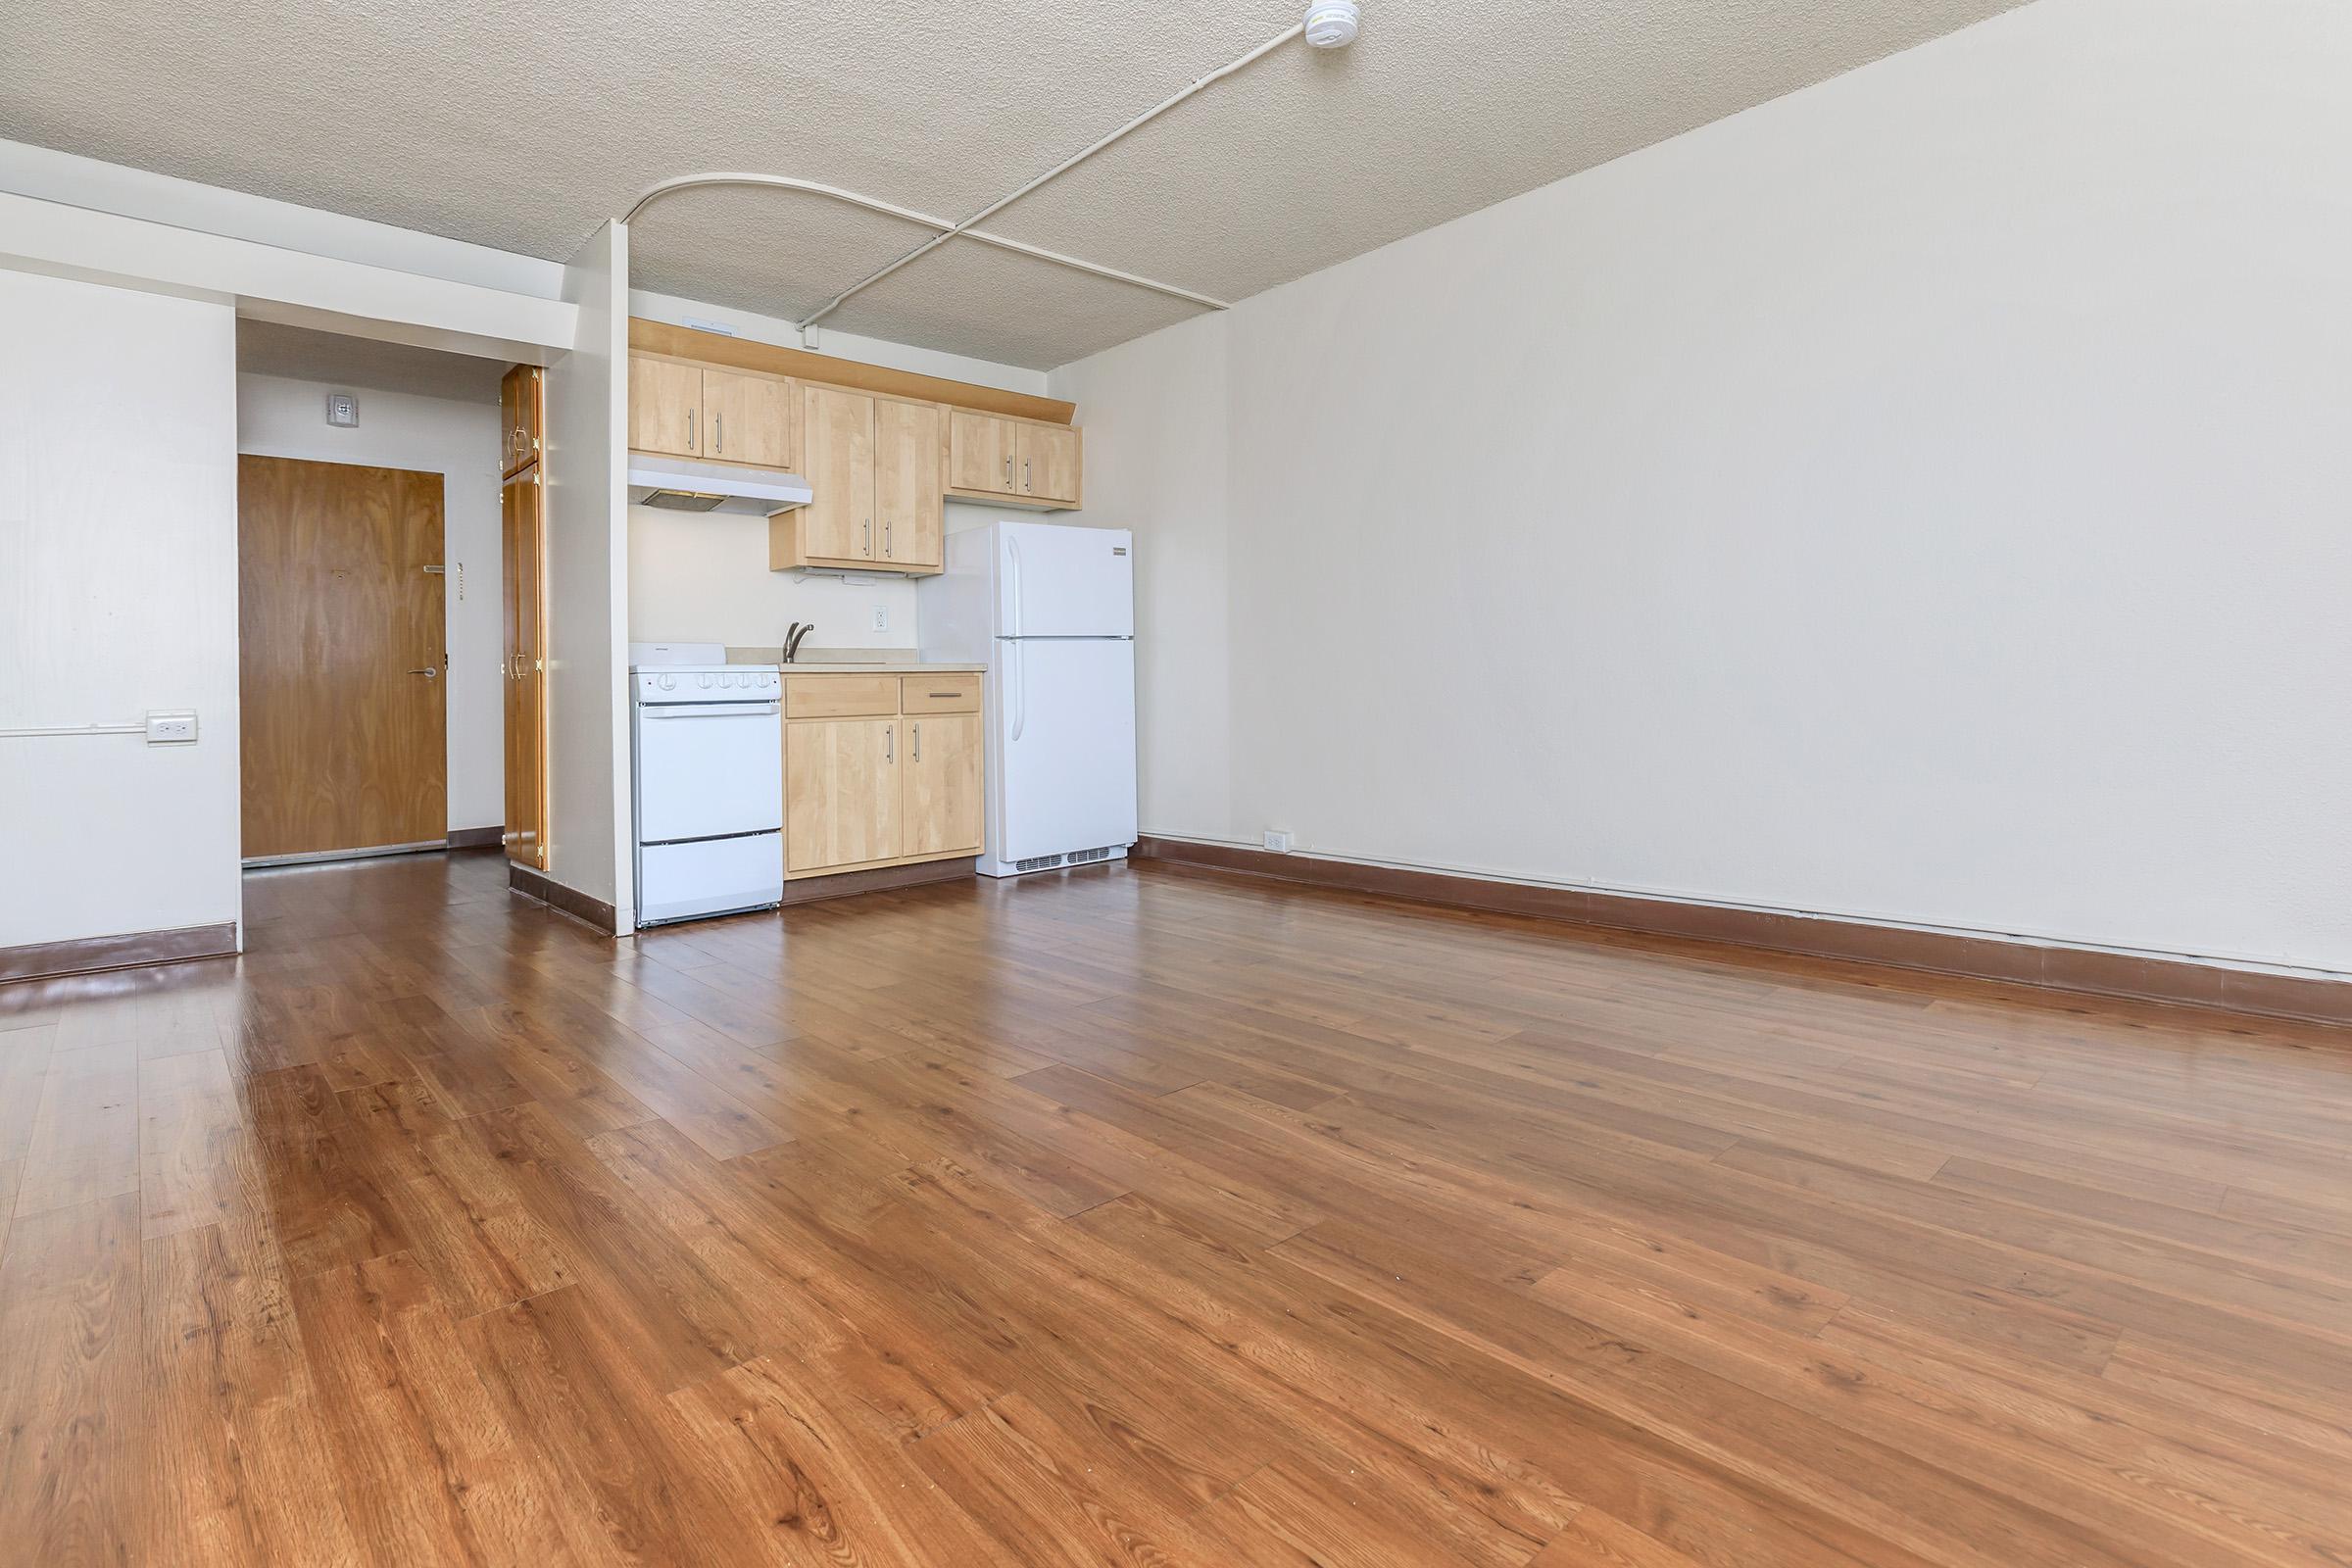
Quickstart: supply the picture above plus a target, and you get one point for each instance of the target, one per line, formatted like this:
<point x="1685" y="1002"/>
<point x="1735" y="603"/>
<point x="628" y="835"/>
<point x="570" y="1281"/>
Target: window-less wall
<point x="1919" y="498"/>
<point x="118" y="594"/>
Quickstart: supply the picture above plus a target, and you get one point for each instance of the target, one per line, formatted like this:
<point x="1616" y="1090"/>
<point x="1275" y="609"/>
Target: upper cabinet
<point x="1028" y="463"/>
<point x="883" y="450"/>
<point x="523" y="411"/>
<point x="873" y="464"/>
<point x="683" y="410"/>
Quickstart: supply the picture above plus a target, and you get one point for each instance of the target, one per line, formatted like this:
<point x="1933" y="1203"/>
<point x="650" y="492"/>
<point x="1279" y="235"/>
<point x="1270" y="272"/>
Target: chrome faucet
<point x="791" y="640"/>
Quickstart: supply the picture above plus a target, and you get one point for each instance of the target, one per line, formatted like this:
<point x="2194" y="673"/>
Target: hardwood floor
<point x="1149" y="1216"/>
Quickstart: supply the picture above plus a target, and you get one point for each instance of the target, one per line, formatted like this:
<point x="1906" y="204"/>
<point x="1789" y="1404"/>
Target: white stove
<point x="707" y="748"/>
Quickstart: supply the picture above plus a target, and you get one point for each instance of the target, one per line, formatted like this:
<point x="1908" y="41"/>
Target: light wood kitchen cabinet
<point x="839" y="437"/>
<point x="1048" y="465"/>
<point x="683" y="410"/>
<point x="842" y="793"/>
<point x="1028" y="463"/>
<point x="909" y="502"/>
<point x="942" y="798"/>
<point x="750" y="418"/>
<point x="881" y="770"/>
<point x="873" y="464"/>
<point x="665" y="406"/>
<point x="980" y="453"/>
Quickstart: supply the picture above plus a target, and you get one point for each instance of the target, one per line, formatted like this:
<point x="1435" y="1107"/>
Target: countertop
<point x="803" y="667"/>
<point x="849" y="662"/>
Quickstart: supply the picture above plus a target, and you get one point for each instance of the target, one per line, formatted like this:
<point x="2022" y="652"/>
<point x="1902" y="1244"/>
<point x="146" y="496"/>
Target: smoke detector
<point x="1332" y="23"/>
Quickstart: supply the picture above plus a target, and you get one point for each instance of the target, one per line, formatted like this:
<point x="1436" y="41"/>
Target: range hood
<point x="681" y="484"/>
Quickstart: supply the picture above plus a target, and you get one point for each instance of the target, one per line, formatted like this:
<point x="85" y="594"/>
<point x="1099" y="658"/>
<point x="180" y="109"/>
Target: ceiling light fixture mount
<point x="1333" y="24"/>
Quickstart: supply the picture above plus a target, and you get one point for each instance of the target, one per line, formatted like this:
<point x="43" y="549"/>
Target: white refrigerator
<point x="1050" y="609"/>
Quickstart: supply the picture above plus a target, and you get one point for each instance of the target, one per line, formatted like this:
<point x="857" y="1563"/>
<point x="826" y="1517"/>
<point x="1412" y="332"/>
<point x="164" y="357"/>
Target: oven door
<point x="704" y="769"/>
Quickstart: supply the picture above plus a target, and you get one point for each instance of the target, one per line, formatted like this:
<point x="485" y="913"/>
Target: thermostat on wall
<point x="342" y="409"/>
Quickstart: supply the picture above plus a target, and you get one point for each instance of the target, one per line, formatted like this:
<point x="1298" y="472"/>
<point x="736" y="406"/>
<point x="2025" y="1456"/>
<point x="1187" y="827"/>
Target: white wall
<point x="705" y="578"/>
<point x="457" y="438"/>
<point x="118" y="594"/>
<point x="1918" y="497"/>
<point x="587" y="567"/>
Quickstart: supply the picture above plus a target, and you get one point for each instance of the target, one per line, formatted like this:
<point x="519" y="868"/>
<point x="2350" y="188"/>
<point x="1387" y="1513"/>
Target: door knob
<point x="429" y="672"/>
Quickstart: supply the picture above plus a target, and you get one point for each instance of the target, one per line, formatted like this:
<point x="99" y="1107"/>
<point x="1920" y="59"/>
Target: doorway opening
<point x="390" y="610"/>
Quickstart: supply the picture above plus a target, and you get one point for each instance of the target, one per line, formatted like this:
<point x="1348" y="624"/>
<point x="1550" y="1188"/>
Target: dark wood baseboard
<point x="41" y="961"/>
<point x="556" y="896"/>
<point x="808" y="890"/>
<point x="476" y="838"/>
<point x="2133" y="977"/>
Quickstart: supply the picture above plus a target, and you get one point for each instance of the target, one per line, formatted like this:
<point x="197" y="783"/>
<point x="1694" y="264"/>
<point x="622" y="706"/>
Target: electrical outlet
<point x="881" y="617"/>
<point x="1278" y="840"/>
<point x="176" y="727"/>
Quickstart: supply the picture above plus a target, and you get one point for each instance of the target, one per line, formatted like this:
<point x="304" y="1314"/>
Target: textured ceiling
<point x="523" y="126"/>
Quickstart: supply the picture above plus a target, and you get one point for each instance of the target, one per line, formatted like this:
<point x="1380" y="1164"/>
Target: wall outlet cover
<point x="171" y="727"/>
<point x="881" y="617"/>
<point x="1278" y="840"/>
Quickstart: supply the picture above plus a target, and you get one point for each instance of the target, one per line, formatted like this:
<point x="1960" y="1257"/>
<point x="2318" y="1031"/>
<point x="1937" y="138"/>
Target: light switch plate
<point x="171" y="726"/>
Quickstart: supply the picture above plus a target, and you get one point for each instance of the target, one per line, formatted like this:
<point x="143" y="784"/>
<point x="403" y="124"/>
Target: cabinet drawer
<point x="940" y="694"/>
<point x="840" y="696"/>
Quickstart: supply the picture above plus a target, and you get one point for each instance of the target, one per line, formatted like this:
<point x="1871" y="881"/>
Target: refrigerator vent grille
<point x="1047" y="862"/>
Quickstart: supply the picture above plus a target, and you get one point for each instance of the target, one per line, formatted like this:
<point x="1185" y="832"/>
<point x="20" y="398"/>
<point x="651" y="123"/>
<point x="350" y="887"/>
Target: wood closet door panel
<point x="341" y="658"/>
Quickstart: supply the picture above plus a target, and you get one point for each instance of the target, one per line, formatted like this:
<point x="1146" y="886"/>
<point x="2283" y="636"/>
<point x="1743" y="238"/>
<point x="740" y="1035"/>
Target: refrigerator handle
<point x="1013" y="584"/>
<point x="1020" y="682"/>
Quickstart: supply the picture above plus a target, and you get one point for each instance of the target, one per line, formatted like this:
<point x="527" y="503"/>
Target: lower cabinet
<point x="883" y="786"/>
<point x="941" y="798"/>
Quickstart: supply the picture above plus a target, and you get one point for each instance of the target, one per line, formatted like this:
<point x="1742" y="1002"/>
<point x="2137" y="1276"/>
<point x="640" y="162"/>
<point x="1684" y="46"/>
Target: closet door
<point x="521" y="540"/>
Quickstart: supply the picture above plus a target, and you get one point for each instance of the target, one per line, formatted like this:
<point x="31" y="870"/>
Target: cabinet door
<point x="841" y="793"/>
<point x="980" y="454"/>
<point x="837" y="431"/>
<point x="750" y="418"/>
<point x="909" y="502"/>
<point x="1048" y="465"/>
<point x="943" y="784"/>
<point x="520" y="532"/>
<point x="521" y="408"/>
<point x="665" y="403"/>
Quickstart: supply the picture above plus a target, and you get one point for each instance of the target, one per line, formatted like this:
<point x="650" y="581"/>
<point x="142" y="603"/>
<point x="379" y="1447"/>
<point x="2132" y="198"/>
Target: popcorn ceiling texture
<point x="522" y="127"/>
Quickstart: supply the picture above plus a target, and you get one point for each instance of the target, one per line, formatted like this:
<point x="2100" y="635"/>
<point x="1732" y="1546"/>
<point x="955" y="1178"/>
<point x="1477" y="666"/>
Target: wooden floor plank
<point x="1148" y="1216"/>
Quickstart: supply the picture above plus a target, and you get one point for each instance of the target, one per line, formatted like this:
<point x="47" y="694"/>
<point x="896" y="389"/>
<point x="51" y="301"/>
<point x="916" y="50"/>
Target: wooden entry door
<point x="522" y="532"/>
<point x="341" y="657"/>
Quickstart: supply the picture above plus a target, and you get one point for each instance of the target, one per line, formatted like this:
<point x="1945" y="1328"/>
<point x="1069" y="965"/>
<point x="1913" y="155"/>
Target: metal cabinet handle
<point x="1008" y="469"/>
<point x="889" y="743"/>
<point x="690" y="429"/>
<point x="918" y="740"/>
<point x="886" y="536"/>
<point x="865" y="545"/>
<point x="1024" y="476"/>
<point x="718" y="432"/>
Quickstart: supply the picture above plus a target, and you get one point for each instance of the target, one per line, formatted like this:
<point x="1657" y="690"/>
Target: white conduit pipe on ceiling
<point x="946" y="231"/>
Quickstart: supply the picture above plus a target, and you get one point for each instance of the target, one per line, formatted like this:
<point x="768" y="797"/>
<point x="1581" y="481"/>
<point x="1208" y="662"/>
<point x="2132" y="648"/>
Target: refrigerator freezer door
<point x="1053" y="580"/>
<point x="1064" y="736"/>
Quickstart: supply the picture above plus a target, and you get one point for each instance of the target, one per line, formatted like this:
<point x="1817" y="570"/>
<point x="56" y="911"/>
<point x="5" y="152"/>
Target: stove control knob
<point x="669" y="683"/>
